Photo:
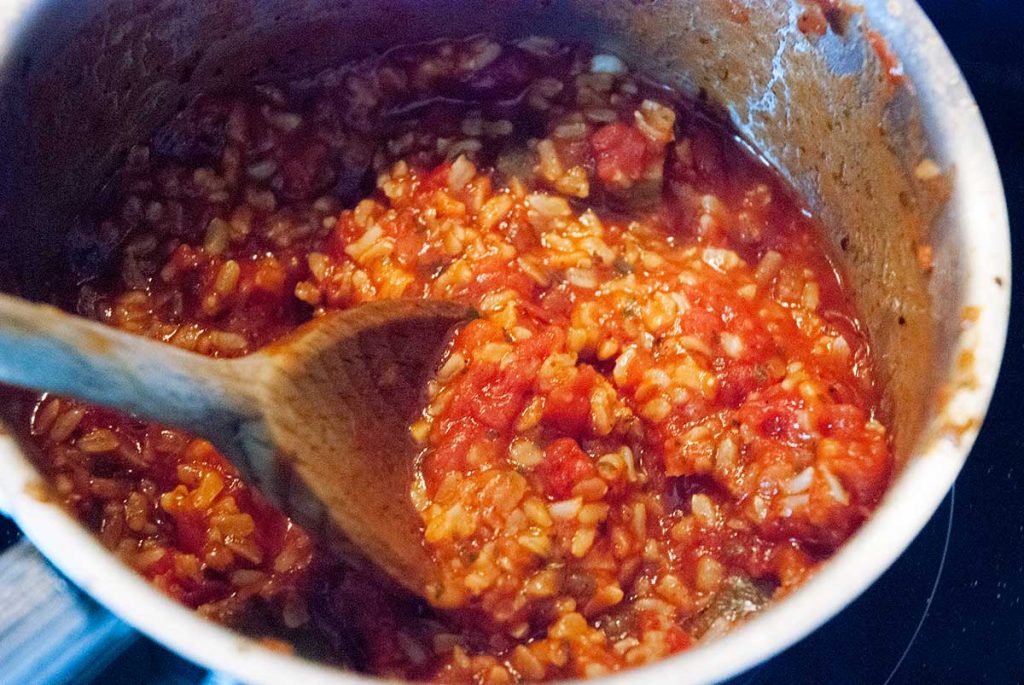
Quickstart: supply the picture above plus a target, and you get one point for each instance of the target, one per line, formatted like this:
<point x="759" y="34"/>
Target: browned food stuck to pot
<point x="664" y="417"/>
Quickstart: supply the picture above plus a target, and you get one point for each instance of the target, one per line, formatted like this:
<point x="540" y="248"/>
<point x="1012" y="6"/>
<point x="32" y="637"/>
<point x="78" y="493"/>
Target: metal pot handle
<point x="50" y="632"/>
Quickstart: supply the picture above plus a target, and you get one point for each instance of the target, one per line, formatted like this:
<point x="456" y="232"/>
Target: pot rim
<point x="977" y="208"/>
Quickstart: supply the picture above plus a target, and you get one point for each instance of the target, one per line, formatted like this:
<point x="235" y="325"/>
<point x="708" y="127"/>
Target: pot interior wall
<point x="89" y="79"/>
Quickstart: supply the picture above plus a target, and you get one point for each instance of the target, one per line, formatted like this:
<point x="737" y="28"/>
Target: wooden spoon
<point x="318" y="421"/>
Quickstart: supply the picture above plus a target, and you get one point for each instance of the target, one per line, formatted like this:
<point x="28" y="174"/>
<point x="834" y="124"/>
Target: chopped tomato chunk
<point x="621" y="154"/>
<point x="564" y="465"/>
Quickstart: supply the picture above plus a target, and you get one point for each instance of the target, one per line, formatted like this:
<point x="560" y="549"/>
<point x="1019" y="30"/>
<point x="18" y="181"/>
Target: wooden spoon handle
<point x="43" y="348"/>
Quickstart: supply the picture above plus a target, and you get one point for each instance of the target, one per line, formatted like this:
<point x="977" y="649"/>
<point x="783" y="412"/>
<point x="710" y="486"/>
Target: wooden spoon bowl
<point x="318" y="421"/>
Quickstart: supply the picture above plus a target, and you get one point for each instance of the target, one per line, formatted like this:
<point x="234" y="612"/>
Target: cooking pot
<point x="867" y="116"/>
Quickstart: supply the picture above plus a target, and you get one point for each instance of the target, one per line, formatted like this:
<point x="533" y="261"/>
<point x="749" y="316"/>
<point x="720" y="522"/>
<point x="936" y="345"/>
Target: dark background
<point x="951" y="610"/>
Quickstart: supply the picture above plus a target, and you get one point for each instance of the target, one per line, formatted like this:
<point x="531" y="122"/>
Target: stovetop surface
<point x="951" y="610"/>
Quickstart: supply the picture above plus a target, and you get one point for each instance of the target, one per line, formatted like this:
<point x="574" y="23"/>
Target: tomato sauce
<point x="665" y="411"/>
